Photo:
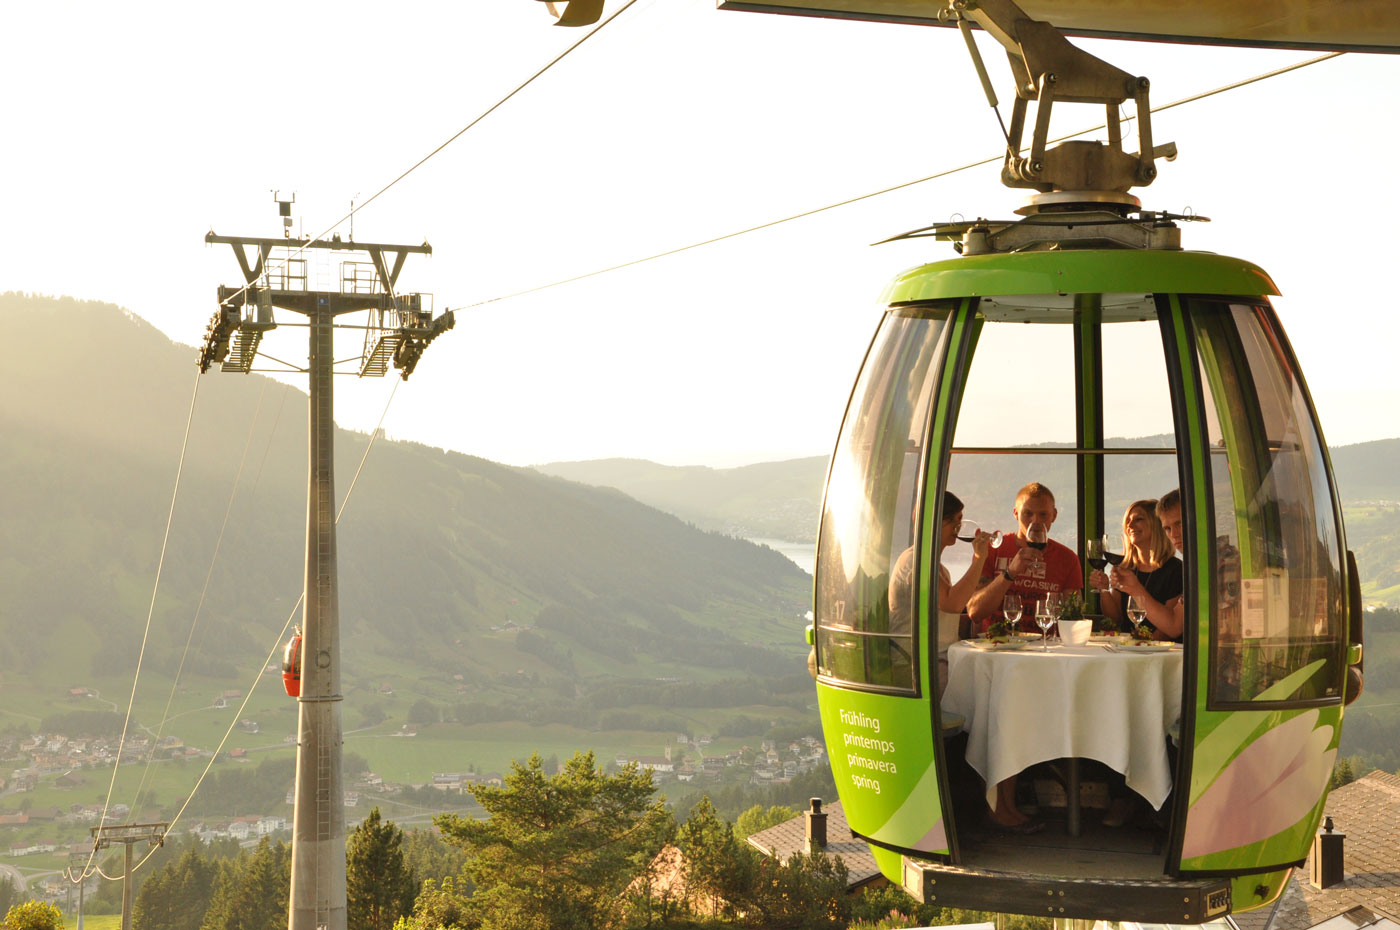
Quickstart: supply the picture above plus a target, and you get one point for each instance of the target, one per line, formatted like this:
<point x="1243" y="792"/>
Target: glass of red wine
<point x="1038" y="536"/>
<point x="967" y="532"/>
<point x="1094" y="550"/>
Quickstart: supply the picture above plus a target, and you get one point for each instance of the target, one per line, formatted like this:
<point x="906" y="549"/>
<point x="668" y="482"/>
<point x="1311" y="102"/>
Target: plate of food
<point x="1109" y="637"/>
<point x="998" y="643"/>
<point x="1144" y="645"/>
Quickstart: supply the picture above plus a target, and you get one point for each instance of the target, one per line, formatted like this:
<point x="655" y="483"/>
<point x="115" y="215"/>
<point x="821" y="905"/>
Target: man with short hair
<point x="1169" y="512"/>
<point x="1014" y="567"/>
<point x="1169" y="618"/>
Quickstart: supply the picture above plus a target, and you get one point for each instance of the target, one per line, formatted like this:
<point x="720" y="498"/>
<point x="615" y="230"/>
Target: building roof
<point x="1368" y="812"/>
<point x="790" y="837"/>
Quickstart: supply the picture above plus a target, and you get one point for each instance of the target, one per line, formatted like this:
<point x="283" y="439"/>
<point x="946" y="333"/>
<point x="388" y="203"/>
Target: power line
<point x="248" y="695"/>
<point x="203" y="594"/>
<point x="145" y="636"/>
<point x="888" y="190"/>
<point x="455" y="136"/>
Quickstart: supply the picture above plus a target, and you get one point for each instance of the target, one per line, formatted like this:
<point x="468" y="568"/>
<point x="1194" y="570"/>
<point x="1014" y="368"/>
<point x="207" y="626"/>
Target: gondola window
<point x="867" y="521"/>
<point x="1280" y="629"/>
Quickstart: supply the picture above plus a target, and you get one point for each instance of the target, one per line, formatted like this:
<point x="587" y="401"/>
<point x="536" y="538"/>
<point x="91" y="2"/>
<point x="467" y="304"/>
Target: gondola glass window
<point x="868" y="518"/>
<point x="1279" y="627"/>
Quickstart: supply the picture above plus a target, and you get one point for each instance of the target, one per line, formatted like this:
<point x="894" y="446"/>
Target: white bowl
<point x="1075" y="632"/>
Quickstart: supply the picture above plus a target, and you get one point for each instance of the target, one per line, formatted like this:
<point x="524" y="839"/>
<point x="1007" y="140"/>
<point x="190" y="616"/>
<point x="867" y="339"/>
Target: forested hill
<point x="444" y="558"/>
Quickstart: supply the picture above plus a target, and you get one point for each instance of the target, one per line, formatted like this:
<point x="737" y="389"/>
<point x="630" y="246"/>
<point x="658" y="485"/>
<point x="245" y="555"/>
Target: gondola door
<point x="1266" y="609"/>
<point x="875" y="571"/>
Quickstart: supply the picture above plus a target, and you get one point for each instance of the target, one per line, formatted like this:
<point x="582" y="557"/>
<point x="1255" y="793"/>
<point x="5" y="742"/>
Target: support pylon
<point x="399" y="331"/>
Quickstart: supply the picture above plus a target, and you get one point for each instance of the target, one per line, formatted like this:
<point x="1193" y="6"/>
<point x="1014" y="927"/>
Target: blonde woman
<point x="1152" y="574"/>
<point x="1149" y="571"/>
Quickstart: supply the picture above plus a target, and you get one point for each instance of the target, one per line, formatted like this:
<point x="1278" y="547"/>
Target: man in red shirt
<point x="1014" y="567"/>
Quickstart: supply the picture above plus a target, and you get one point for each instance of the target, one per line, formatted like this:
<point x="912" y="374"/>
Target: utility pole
<point x="276" y="276"/>
<point x="77" y="865"/>
<point x="153" y="834"/>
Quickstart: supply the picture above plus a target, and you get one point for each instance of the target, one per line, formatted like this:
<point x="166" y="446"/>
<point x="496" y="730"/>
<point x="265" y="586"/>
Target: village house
<point x="827" y="832"/>
<point x="1365" y="816"/>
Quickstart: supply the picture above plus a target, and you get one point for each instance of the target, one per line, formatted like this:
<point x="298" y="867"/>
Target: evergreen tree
<point x="719" y="868"/>
<point x="428" y="857"/>
<point x="178" y="895"/>
<point x="804" y="893"/>
<point x="252" y="894"/>
<point x="10" y="894"/>
<point x="439" y="907"/>
<point x="33" y="915"/>
<point x="757" y="819"/>
<point x="379" y="888"/>
<point x="558" y="850"/>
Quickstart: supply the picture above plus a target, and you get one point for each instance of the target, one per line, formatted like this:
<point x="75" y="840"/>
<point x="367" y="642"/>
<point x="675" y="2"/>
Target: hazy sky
<point x="131" y="130"/>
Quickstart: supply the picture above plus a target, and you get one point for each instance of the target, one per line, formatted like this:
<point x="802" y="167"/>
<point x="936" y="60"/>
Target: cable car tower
<point x="276" y="276"/>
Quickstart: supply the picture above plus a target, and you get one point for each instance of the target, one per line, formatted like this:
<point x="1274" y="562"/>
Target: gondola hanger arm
<point x="1048" y="69"/>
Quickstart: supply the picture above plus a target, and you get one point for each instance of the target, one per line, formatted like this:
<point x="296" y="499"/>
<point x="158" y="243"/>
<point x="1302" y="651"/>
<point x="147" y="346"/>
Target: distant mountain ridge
<point x="783" y="499"/>
<point x="777" y="500"/>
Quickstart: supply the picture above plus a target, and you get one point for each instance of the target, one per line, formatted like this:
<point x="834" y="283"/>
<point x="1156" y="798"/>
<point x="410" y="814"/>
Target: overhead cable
<point x="203" y="594"/>
<point x="888" y="190"/>
<point x="455" y="136"/>
<point x="150" y="612"/>
<point x="277" y="644"/>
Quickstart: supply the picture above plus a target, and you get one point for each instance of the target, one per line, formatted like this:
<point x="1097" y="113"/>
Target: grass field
<point x="94" y="922"/>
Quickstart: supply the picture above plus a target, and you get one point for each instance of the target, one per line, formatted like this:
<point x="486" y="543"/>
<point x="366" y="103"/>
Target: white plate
<point x="1143" y="647"/>
<point x="998" y="647"/>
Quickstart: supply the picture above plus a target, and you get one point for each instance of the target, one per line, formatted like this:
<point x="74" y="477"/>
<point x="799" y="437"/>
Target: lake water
<point x="803" y="555"/>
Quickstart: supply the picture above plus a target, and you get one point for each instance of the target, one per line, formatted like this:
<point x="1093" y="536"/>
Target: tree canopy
<point x="379" y="887"/>
<point x="558" y="850"/>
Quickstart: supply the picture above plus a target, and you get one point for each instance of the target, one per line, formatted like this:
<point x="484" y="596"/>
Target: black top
<point x="1164" y="584"/>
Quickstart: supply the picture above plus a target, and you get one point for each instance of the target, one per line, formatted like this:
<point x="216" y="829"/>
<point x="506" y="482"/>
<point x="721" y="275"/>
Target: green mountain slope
<point x="446" y="559"/>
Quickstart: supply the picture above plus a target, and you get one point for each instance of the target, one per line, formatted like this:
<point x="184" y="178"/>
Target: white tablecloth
<point x="1023" y="707"/>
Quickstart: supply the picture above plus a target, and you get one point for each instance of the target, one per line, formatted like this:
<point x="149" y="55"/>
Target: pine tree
<point x="719" y="868"/>
<point x="757" y="819"/>
<point x="558" y="850"/>
<point x="439" y="907"/>
<point x="379" y="888"/>
<point x="252" y="894"/>
<point x="10" y="894"/>
<point x="178" y="895"/>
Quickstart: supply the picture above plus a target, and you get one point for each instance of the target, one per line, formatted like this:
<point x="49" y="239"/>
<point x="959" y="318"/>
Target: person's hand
<point x="981" y="544"/>
<point x="1025" y="557"/>
<point x="1098" y="580"/>
<point x="1126" y="580"/>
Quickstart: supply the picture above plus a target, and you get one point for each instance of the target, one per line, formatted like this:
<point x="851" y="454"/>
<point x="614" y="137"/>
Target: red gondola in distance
<point x="291" y="666"/>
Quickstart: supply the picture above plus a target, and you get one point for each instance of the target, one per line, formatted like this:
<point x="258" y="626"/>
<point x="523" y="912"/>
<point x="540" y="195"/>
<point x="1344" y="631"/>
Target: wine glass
<point x="967" y="532"/>
<point x="1136" y="613"/>
<point x="1011" y="610"/>
<point x="1046" y="613"/>
<point x="1037" y="535"/>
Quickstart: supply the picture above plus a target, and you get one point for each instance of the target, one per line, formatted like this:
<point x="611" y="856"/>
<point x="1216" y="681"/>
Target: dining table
<point x="1022" y="705"/>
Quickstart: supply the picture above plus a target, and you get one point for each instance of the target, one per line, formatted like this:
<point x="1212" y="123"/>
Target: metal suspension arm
<point x="1048" y="69"/>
